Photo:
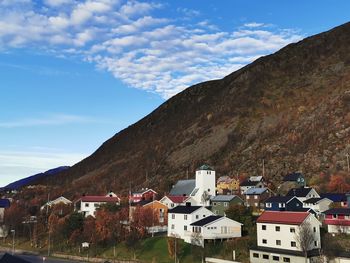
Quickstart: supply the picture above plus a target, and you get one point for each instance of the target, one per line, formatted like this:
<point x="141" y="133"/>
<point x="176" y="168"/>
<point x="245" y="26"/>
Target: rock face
<point x="290" y="109"/>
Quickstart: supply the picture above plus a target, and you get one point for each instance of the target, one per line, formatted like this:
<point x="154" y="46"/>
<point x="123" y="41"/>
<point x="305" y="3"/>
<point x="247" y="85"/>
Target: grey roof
<point x="205" y="167"/>
<point x="256" y="191"/>
<point x="183" y="187"/>
<point x="299" y="192"/>
<point x="279" y="199"/>
<point x="184" y="209"/>
<point x="224" y="198"/>
<point x="313" y="200"/>
<point x="338" y="211"/>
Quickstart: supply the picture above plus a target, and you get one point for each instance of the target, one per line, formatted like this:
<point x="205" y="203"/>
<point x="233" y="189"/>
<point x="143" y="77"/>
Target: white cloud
<point x="145" y="51"/>
<point x="52" y="120"/>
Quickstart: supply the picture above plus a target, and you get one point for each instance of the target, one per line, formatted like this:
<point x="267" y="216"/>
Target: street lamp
<point x="13" y="241"/>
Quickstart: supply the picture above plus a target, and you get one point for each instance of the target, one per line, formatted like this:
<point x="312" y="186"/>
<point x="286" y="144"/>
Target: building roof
<point x="293" y="177"/>
<point x="249" y="183"/>
<point x="7" y="258"/>
<point x="224" y="198"/>
<point x="314" y="200"/>
<point x="177" y="199"/>
<point x="205" y="167"/>
<point x="256" y="191"/>
<point x="184" y="209"/>
<point x="310" y="253"/>
<point x="97" y="198"/>
<point x="279" y="199"/>
<point x="258" y="178"/>
<point x="183" y="187"/>
<point x="288" y="218"/>
<point x="206" y="220"/>
<point x="4" y="203"/>
<point x="145" y="190"/>
<point x="299" y="192"/>
<point x="338" y="211"/>
<point x="335" y="197"/>
<point x="141" y="203"/>
<point x="224" y="179"/>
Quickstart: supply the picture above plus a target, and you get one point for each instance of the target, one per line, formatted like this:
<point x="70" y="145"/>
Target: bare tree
<point x="305" y="238"/>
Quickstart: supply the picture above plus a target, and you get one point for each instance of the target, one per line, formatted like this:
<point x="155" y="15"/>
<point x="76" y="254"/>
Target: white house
<point x="205" y="185"/>
<point x="173" y="201"/>
<point x="214" y="227"/>
<point x="180" y="219"/>
<point x="319" y="205"/>
<point x="59" y="200"/>
<point x="277" y="237"/>
<point x="303" y="193"/>
<point x="248" y="184"/>
<point x="89" y="204"/>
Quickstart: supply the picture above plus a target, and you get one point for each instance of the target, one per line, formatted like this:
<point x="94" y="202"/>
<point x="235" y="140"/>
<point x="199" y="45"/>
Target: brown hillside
<point x="291" y="109"/>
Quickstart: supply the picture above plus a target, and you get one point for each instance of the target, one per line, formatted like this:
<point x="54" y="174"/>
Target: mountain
<point x="34" y="178"/>
<point x="290" y="109"/>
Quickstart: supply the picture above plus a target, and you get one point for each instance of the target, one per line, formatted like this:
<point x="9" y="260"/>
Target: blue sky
<point x="73" y="73"/>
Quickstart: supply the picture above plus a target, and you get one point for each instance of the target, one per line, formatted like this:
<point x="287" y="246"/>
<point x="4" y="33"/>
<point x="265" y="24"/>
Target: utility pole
<point x="263" y="168"/>
<point x="13" y="241"/>
<point x="175" y="256"/>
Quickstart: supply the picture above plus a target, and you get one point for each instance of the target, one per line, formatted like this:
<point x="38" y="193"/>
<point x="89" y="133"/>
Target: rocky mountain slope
<point x="290" y="109"/>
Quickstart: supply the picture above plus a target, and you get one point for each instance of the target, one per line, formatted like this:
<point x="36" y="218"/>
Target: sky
<point x="74" y="73"/>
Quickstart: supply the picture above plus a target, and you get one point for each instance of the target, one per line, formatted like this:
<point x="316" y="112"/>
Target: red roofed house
<point x="88" y="204"/>
<point x="277" y="240"/>
<point x="145" y="194"/>
<point x="172" y="201"/>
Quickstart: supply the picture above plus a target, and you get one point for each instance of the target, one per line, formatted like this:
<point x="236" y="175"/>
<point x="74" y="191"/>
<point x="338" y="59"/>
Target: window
<point x="185" y="228"/>
<point x="335" y="216"/>
<point x="172" y="216"/>
<point x="278" y="229"/>
<point x="185" y="217"/>
<point x="172" y="205"/>
<point x="256" y="204"/>
<point x="278" y="242"/>
<point x="286" y="259"/>
<point x="247" y="197"/>
<point x="265" y="256"/>
<point x="292" y="230"/>
<point x="281" y="205"/>
<point x="314" y="229"/>
<point x="86" y="204"/>
<point x="276" y="258"/>
<point x="225" y="203"/>
<point x="315" y="243"/>
<point x="197" y="216"/>
<point x="172" y="226"/>
<point x="264" y="241"/>
<point x="263" y="227"/>
<point x="255" y="255"/>
<point x="268" y="205"/>
<point x="214" y="204"/>
<point x="293" y="244"/>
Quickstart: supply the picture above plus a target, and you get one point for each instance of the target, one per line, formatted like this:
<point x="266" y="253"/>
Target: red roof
<point x="177" y="198"/>
<point x="95" y="198"/>
<point x="288" y="218"/>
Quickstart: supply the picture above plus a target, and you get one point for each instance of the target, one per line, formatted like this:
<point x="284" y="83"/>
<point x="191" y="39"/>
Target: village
<point x="209" y="210"/>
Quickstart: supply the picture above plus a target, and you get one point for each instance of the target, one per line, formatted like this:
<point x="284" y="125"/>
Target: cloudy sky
<point x="75" y="72"/>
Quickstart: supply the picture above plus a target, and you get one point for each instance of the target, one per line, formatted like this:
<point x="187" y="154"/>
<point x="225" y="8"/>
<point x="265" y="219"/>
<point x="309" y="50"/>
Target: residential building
<point x="318" y="204"/>
<point x="89" y="204"/>
<point x="247" y="184"/>
<point x="283" y="203"/>
<point x="303" y="193"/>
<point x="295" y="177"/>
<point x="144" y="194"/>
<point x="255" y="197"/>
<point x="172" y="201"/>
<point x="277" y="237"/>
<point x="180" y="219"/>
<point x="160" y="211"/>
<point x="338" y="220"/>
<point x="214" y="227"/>
<point x="59" y="200"/>
<point x="339" y="199"/>
<point x="4" y="204"/>
<point x="220" y="203"/>
<point x="227" y="184"/>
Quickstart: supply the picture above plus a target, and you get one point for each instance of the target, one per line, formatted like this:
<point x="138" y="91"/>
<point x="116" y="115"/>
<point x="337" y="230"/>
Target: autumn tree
<point x="338" y="183"/>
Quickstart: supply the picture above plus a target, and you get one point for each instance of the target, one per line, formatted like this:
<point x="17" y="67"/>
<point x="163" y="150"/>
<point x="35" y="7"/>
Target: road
<point x="39" y="259"/>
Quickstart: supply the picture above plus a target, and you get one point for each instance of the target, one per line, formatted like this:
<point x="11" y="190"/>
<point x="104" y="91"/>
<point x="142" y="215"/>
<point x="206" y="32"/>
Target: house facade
<point x="144" y="194"/>
<point x="227" y="184"/>
<point x="277" y="237"/>
<point x="337" y="220"/>
<point x="248" y="184"/>
<point x="59" y="200"/>
<point x="214" y="227"/>
<point x="220" y="203"/>
<point x="255" y="197"/>
<point x="4" y="204"/>
<point x="180" y="219"/>
<point x="172" y="201"/>
<point x="160" y="211"/>
<point x="303" y="193"/>
<point x="89" y="204"/>
<point x="319" y="204"/>
<point x="283" y="203"/>
<point x="338" y="199"/>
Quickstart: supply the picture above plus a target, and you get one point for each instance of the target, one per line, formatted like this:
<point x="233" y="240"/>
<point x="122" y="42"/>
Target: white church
<point x="192" y="221"/>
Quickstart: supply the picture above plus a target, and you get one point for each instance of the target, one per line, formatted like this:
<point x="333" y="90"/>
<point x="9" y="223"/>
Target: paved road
<point x="39" y="259"/>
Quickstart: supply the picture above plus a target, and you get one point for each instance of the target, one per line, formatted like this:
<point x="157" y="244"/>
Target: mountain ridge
<point x="289" y="109"/>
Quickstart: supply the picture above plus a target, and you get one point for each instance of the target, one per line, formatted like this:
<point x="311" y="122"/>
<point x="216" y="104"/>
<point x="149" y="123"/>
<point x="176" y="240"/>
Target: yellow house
<point x="227" y="184"/>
